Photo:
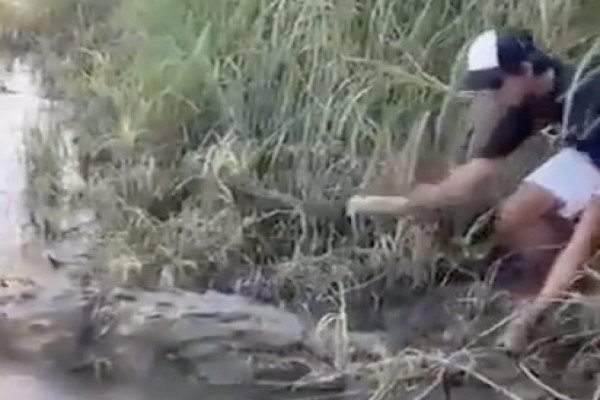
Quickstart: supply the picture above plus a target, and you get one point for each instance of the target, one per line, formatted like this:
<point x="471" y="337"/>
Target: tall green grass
<point x="214" y="133"/>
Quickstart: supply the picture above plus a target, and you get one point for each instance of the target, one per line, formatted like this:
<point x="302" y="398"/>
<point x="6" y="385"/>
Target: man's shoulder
<point x="581" y="98"/>
<point x="584" y="85"/>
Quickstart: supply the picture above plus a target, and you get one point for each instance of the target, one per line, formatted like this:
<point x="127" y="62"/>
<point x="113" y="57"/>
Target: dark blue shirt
<point x="578" y="114"/>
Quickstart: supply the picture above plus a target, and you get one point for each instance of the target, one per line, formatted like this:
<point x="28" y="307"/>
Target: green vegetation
<point x="215" y="136"/>
<point x="228" y="133"/>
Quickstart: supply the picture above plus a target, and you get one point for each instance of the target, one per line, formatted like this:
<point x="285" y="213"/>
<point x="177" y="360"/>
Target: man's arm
<point x="458" y="186"/>
<point x="515" y="126"/>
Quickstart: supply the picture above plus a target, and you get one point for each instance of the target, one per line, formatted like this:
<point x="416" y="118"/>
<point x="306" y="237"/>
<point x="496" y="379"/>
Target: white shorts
<point x="572" y="177"/>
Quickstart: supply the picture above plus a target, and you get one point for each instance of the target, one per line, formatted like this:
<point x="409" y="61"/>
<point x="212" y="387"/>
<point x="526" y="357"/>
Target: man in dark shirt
<point x="536" y="90"/>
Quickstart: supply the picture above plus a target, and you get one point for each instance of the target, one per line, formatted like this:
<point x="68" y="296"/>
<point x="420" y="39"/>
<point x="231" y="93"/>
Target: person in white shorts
<point x="535" y="89"/>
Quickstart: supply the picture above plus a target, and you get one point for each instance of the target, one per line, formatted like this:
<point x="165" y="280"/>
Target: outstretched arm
<point x="459" y="186"/>
<point x="514" y="128"/>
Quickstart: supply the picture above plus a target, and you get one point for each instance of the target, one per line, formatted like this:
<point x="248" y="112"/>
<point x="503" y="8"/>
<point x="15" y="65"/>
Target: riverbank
<point x="70" y="332"/>
<point x="216" y="145"/>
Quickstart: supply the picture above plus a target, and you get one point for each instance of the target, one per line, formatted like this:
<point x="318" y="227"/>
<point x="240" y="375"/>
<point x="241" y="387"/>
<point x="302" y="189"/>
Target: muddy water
<point x="18" y="105"/>
<point x="21" y="108"/>
<point x="27" y="382"/>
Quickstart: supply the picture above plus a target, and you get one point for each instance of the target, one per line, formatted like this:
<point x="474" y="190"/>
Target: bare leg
<point x="536" y="244"/>
<point x="580" y="249"/>
<point x="563" y="273"/>
<point x="521" y="224"/>
<point x="525" y="228"/>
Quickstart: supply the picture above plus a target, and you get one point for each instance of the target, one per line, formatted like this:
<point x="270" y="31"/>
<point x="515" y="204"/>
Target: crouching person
<point x="534" y="88"/>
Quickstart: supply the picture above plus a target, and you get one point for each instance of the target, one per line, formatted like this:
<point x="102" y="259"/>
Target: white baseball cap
<point x="491" y="56"/>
